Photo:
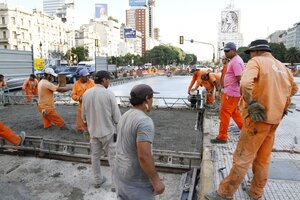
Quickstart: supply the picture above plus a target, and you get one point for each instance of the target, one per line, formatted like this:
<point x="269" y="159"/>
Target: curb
<point x="206" y="183"/>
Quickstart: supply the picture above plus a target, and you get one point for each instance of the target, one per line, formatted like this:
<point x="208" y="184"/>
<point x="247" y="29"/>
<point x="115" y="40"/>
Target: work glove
<point x="256" y="111"/>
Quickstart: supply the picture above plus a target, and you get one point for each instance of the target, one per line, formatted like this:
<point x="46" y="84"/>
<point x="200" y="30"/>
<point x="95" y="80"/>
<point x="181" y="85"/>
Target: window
<point x="14" y="33"/>
<point x="3" y="20"/>
<point x="5" y="46"/>
<point x="13" y="20"/>
<point x="4" y="34"/>
<point x="30" y="36"/>
<point x="23" y="35"/>
<point x="29" y="23"/>
<point x="22" y="21"/>
<point x="15" y="47"/>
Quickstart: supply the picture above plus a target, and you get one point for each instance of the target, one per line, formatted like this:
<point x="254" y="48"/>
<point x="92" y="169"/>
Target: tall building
<point x="138" y="19"/>
<point x="229" y="28"/>
<point x="50" y="6"/>
<point x="64" y="9"/>
<point x="151" y="8"/>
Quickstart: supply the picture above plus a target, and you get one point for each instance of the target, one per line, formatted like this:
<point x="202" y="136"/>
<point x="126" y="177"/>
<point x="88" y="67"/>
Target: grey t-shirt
<point x="134" y="126"/>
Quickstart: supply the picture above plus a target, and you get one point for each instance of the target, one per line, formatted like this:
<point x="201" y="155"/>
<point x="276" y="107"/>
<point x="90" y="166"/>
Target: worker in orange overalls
<point x="212" y="84"/>
<point x="80" y="86"/>
<point x="10" y="136"/>
<point x="266" y="87"/>
<point x="46" y="100"/>
<point x="196" y="73"/>
<point x="30" y="87"/>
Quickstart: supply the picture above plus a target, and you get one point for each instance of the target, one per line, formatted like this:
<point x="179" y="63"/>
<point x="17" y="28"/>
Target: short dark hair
<point x="32" y="75"/>
<point x="139" y="93"/>
<point x="1" y="77"/>
<point x="100" y="75"/>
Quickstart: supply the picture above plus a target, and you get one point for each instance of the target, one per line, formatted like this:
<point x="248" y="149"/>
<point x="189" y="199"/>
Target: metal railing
<point x="123" y="101"/>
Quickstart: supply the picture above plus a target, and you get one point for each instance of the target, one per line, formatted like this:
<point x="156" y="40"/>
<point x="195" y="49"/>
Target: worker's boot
<point x="215" y="196"/>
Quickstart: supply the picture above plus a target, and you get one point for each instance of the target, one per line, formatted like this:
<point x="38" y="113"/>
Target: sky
<point x="197" y="19"/>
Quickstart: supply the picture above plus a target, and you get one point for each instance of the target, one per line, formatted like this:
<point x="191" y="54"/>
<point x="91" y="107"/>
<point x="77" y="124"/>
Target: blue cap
<point x="84" y="72"/>
<point x="229" y="46"/>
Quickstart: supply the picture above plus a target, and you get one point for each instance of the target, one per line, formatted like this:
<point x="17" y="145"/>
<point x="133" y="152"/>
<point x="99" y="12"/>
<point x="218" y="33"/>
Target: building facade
<point x="290" y="37"/>
<point x="229" y="28"/>
<point x="138" y="19"/>
<point x="23" y="29"/>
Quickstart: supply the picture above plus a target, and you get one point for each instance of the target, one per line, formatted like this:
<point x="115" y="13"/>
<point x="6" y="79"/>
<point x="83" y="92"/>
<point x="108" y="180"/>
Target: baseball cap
<point x="84" y="72"/>
<point x="101" y="75"/>
<point x="50" y="71"/>
<point x="141" y="91"/>
<point x="229" y="46"/>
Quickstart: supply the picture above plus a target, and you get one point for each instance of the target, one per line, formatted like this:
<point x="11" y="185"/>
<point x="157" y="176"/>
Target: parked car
<point x="72" y="73"/>
<point x="57" y="69"/>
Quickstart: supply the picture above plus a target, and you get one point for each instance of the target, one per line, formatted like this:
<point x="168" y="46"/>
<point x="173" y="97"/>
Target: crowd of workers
<point x="256" y="97"/>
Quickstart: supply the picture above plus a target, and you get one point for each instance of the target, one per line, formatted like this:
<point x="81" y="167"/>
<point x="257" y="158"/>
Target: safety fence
<point x="123" y="101"/>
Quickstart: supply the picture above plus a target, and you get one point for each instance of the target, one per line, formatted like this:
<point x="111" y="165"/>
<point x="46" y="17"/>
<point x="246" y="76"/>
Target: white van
<point x="90" y="65"/>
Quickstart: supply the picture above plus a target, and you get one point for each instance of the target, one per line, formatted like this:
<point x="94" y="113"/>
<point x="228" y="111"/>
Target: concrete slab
<point x="24" y="178"/>
<point x="284" y="170"/>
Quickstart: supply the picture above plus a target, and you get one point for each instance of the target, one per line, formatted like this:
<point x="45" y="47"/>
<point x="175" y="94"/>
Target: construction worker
<point x="196" y="73"/>
<point x="212" y="84"/>
<point x="101" y="113"/>
<point x="2" y="81"/>
<point x="30" y="87"/>
<point x="231" y="97"/>
<point x="80" y="86"/>
<point x="135" y="173"/>
<point x="267" y="87"/>
<point x="10" y="136"/>
<point x="46" y="100"/>
<point x="225" y="62"/>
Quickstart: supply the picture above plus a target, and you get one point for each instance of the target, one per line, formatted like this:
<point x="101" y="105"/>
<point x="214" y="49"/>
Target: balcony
<point x="3" y="40"/>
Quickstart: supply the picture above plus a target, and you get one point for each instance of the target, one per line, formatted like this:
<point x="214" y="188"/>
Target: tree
<point x="244" y="56"/>
<point x="81" y="52"/>
<point x="278" y="51"/>
<point x="292" y="55"/>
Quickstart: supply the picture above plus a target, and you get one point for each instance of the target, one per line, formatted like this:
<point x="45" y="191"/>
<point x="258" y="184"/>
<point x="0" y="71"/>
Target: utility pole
<point x="214" y="54"/>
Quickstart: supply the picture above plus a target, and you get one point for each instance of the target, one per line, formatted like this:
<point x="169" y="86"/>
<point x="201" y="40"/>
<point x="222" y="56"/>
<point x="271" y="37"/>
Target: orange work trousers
<point x="50" y="116"/>
<point x="210" y="99"/>
<point x="254" y="146"/>
<point x="29" y="94"/>
<point x="9" y="135"/>
<point x="79" y="122"/>
<point x="229" y="108"/>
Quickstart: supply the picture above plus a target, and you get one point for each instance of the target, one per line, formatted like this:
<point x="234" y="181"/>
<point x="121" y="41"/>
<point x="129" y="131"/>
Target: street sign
<point x="181" y="39"/>
<point x="129" y="33"/>
<point x="39" y="63"/>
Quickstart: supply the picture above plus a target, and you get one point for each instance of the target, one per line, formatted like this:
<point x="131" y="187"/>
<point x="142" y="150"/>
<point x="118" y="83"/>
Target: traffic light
<point x="96" y="43"/>
<point x="181" y="39"/>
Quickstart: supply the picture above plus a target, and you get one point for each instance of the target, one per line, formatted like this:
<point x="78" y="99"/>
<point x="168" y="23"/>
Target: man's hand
<point x="158" y="187"/>
<point x="192" y="90"/>
<point x="256" y="111"/>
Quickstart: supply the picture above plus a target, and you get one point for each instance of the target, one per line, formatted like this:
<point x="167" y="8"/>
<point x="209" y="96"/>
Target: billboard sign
<point x="137" y="3"/>
<point x="129" y="33"/>
<point x="101" y="12"/>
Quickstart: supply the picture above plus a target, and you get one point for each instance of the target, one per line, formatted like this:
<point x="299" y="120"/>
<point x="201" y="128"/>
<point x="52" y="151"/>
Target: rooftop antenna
<point x="231" y="4"/>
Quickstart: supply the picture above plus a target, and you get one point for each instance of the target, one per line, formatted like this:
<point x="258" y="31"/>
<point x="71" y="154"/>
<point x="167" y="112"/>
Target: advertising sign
<point x="137" y="3"/>
<point x="39" y="63"/>
<point x="129" y="33"/>
<point x="101" y="12"/>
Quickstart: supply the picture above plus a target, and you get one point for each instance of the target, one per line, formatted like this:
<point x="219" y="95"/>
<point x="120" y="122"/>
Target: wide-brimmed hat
<point x="258" y="45"/>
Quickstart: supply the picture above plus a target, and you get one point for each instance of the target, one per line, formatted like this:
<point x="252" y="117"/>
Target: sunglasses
<point x="226" y="51"/>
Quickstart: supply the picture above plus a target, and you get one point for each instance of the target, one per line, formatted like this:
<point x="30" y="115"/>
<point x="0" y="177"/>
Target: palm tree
<point x="292" y="55"/>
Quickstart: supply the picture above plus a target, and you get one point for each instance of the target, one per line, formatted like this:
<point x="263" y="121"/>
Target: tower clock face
<point x="229" y="23"/>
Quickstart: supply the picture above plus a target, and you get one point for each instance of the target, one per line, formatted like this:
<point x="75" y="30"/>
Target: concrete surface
<point x="23" y="178"/>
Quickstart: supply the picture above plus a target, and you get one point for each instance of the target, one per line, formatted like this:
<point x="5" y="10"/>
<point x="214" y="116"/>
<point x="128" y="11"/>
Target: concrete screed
<point x="35" y="178"/>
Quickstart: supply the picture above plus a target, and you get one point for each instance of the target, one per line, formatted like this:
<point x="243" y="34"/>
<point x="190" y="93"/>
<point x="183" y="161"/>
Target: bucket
<point x="62" y="81"/>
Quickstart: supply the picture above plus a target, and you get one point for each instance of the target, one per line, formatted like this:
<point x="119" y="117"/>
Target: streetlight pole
<point x="213" y="59"/>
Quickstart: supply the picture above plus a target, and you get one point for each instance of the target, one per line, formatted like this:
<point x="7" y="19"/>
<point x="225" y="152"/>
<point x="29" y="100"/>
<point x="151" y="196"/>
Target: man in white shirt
<point x="100" y="113"/>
